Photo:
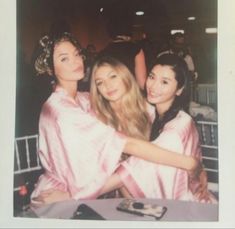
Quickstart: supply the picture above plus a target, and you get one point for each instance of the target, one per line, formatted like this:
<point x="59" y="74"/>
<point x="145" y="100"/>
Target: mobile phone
<point x="138" y="208"/>
<point x="83" y="211"/>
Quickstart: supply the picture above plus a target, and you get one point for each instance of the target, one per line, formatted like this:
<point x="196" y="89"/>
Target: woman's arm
<point x="140" y="69"/>
<point x="151" y="152"/>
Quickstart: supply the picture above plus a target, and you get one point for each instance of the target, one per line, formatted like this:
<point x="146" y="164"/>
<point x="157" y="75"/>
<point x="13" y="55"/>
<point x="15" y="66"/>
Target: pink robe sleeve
<point x="148" y="180"/>
<point x="78" y="152"/>
<point x="93" y="151"/>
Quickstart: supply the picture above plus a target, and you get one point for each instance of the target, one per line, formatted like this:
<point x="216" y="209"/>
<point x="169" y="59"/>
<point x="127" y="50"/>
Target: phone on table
<point x="83" y="211"/>
<point x="138" y="208"/>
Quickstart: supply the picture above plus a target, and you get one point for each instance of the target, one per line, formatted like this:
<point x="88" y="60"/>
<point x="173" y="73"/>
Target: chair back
<point x="208" y="133"/>
<point x="27" y="169"/>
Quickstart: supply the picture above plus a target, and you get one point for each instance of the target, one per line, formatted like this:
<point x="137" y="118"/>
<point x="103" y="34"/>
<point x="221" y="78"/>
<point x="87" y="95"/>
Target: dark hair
<point x="44" y="59"/>
<point x="178" y="35"/>
<point x="181" y="102"/>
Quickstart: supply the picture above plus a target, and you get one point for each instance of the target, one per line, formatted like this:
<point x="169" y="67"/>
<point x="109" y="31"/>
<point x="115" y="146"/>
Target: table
<point x="176" y="210"/>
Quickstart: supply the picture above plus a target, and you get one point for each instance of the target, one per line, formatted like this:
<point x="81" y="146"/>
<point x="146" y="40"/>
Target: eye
<point x="165" y="82"/>
<point x="64" y="59"/>
<point x="151" y="76"/>
<point x="77" y="53"/>
<point x="113" y="76"/>
<point x="98" y="83"/>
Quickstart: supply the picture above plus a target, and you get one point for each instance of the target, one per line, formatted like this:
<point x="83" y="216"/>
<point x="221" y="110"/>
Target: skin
<point x="68" y="65"/>
<point x="140" y="69"/>
<point x="69" y="69"/>
<point x="110" y="85"/>
<point x="162" y="88"/>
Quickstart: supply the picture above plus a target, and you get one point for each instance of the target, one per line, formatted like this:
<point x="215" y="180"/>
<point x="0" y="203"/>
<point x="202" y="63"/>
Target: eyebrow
<point x="109" y="73"/>
<point x="164" y="77"/>
<point x="65" y="53"/>
<point x="62" y="54"/>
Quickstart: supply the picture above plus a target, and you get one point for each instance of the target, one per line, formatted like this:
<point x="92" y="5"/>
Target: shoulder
<point x="84" y="100"/>
<point x="181" y="123"/>
<point x="60" y="103"/>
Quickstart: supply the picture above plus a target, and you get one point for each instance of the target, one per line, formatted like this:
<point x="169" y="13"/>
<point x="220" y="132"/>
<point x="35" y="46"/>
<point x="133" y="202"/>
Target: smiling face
<point x="68" y="63"/>
<point x="162" y="87"/>
<point x="109" y="83"/>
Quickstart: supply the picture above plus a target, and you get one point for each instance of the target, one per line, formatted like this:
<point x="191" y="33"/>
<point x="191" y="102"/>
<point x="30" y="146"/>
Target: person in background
<point x="125" y="50"/>
<point x="79" y="152"/>
<point x="148" y="47"/>
<point x="178" y="46"/>
<point x="90" y="54"/>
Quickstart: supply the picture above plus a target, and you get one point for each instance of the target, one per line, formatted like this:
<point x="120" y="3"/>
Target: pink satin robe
<point x="144" y="179"/>
<point x="77" y="151"/>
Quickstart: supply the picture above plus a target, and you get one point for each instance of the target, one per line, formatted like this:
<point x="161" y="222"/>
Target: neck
<point x="116" y="106"/>
<point x="70" y="87"/>
<point x="163" y="108"/>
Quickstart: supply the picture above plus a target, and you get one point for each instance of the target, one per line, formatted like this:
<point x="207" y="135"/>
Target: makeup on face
<point x="161" y="86"/>
<point x="109" y="83"/>
<point x="68" y="63"/>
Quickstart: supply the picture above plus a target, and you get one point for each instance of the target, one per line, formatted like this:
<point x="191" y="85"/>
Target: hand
<point x="201" y="192"/>
<point x="199" y="176"/>
<point x="50" y="196"/>
<point x="194" y="173"/>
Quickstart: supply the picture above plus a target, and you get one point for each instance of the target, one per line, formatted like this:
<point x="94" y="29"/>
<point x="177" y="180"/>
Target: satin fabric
<point x="77" y="151"/>
<point x="144" y="179"/>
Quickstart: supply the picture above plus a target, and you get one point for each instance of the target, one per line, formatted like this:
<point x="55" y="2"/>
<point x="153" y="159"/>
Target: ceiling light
<point x="191" y="18"/>
<point x="139" y="13"/>
<point x="173" y="31"/>
<point x="211" y="30"/>
<point x="101" y="10"/>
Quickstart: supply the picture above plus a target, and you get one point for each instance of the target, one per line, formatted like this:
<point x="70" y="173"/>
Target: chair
<point x="206" y="94"/>
<point x="208" y="133"/>
<point x="27" y="169"/>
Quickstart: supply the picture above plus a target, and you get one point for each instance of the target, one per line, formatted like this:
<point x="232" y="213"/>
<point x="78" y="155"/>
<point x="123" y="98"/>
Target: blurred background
<point x="94" y="21"/>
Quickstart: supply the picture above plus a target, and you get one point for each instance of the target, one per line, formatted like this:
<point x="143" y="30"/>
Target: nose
<point x="77" y="61"/>
<point x="107" y="84"/>
<point x="153" y="85"/>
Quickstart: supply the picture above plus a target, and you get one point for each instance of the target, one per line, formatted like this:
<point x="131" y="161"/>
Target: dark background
<point x="84" y="19"/>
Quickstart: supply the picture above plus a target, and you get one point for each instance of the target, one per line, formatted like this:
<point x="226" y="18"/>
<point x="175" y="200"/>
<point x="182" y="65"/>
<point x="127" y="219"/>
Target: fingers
<point x="202" y="192"/>
<point x="47" y="191"/>
<point x="36" y="202"/>
<point x="195" y="174"/>
<point x="43" y="197"/>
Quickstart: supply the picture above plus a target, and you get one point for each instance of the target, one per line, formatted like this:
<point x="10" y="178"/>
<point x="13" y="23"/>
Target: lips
<point x="152" y="95"/>
<point x="111" y="93"/>
<point x="79" y="69"/>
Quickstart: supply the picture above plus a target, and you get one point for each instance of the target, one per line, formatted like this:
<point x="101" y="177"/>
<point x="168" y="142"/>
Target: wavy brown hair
<point x="134" y="119"/>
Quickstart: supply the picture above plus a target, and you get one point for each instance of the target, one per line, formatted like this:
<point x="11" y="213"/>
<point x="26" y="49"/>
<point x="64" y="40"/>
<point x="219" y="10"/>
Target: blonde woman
<point x="117" y="100"/>
<point x="120" y="105"/>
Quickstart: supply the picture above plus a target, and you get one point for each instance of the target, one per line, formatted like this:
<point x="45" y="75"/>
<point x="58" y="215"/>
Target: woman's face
<point x="68" y="63"/>
<point x="109" y="83"/>
<point x="162" y="86"/>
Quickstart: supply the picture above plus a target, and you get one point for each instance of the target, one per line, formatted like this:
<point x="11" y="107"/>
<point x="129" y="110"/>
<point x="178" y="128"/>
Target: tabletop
<point x="107" y="208"/>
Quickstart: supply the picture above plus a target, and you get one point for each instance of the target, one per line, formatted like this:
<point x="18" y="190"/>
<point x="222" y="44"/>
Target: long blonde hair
<point x="134" y="121"/>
